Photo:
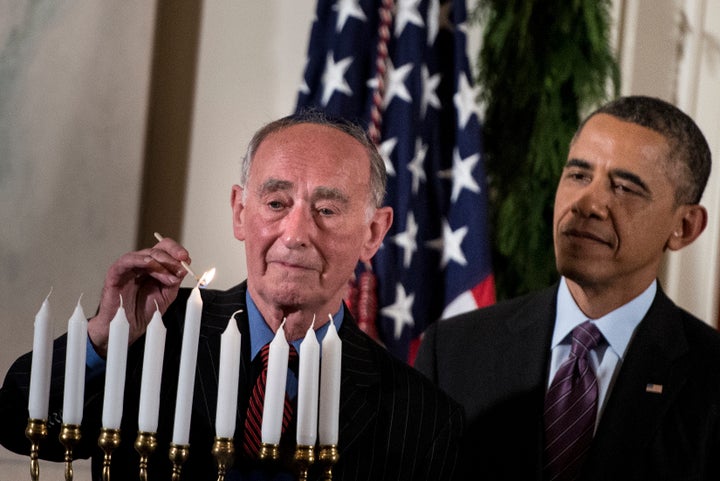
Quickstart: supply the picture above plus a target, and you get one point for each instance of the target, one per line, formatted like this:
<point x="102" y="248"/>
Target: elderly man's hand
<point x="141" y="278"/>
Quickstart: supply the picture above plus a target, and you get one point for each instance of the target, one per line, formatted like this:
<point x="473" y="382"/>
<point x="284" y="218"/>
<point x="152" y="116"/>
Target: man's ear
<point x="691" y="223"/>
<point x="378" y="227"/>
<point x="238" y="209"/>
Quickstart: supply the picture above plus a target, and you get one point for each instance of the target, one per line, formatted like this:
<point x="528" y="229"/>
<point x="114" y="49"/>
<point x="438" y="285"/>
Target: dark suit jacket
<point x="494" y="361"/>
<point x="394" y="423"/>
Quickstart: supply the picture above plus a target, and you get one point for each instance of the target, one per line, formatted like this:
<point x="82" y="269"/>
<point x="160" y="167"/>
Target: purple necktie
<point x="571" y="408"/>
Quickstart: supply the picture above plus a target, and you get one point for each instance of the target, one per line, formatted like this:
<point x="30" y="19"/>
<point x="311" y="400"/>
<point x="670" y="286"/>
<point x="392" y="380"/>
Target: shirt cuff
<point x="94" y="364"/>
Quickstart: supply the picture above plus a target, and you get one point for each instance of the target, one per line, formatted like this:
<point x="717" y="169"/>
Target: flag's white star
<point x="401" y="310"/>
<point x="462" y="176"/>
<point x="386" y="149"/>
<point x="464" y="100"/>
<point x="416" y="166"/>
<point x="334" y="78"/>
<point x="347" y="9"/>
<point x="450" y="244"/>
<point x="396" y="83"/>
<point x="407" y="240"/>
<point x="407" y="12"/>
<point x="304" y="87"/>
<point x="433" y="20"/>
<point x="429" y="86"/>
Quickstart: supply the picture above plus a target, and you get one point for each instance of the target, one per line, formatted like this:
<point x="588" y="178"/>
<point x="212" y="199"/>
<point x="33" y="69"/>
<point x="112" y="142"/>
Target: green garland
<point x="541" y="65"/>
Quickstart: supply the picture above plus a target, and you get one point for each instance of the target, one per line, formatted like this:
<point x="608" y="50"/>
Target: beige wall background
<point x="105" y="103"/>
<point x="121" y="118"/>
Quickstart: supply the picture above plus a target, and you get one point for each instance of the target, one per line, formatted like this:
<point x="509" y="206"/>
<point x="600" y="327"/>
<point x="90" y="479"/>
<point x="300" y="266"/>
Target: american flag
<point x="435" y="261"/>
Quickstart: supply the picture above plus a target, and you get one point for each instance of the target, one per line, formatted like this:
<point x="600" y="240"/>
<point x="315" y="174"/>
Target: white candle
<point x="188" y="361"/>
<point x="308" y="380"/>
<point x="73" y="395"/>
<point x="152" y="374"/>
<point x="115" y="370"/>
<point x="226" y="415"/>
<point x="274" y="402"/>
<point x="330" y="387"/>
<point x="41" y="363"/>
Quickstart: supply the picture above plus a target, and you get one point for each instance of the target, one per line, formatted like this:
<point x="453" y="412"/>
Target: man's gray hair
<point x="378" y="175"/>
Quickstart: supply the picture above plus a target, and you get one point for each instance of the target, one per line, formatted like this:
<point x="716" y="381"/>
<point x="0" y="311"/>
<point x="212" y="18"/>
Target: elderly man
<point x="308" y="208"/>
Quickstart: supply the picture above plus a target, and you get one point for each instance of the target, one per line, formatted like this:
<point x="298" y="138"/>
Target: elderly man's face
<point x="306" y="218"/>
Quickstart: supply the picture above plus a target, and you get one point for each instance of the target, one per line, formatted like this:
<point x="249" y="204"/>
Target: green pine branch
<point x="543" y="63"/>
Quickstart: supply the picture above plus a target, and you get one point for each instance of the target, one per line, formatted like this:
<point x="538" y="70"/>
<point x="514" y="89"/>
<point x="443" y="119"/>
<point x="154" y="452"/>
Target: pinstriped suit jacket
<point x="394" y="423"/>
<point x="494" y="361"/>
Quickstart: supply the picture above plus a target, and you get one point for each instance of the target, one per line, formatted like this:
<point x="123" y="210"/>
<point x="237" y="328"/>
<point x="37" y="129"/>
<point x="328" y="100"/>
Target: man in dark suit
<point x="650" y="398"/>
<point x="308" y="208"/>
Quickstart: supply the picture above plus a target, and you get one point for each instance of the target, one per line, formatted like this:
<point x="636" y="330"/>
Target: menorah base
<point x="69" y="436"/>
<point x="304" y="457"/>
<point x="145" y="445"/>
<point x="328" y="456"/>
<point x="178" y="455"/>
<point x="36" y="431"/>
<point x="108" y="441"/>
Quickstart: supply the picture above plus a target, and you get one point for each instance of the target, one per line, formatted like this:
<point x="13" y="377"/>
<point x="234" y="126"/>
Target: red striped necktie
<point x="253" y="419"/>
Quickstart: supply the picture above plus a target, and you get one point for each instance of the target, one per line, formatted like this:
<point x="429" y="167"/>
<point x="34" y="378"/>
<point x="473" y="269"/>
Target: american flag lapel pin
<point x="654" y="388"/>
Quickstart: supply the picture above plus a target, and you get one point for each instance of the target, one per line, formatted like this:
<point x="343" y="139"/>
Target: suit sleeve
<point x="443" y="456"/>
<point x="14" y="396"/>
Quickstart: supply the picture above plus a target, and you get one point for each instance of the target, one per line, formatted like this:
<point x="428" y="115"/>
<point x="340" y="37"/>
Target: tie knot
<point x="585" y="338"/>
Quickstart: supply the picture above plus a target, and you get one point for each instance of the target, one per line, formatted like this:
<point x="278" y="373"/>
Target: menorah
<point x="318" y="402"/>
<point x="223" y="451"/>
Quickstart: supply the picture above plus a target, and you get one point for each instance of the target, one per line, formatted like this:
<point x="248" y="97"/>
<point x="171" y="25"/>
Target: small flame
<point x="206" y="278"/>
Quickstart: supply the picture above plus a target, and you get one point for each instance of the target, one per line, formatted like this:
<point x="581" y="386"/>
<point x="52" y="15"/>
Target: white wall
<point x="669" y="49"/>
<point x="692" y="274"/>
<point x="73" y="94"/>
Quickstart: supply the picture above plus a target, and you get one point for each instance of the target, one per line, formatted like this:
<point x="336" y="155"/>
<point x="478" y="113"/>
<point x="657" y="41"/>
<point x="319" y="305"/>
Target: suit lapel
<point x="655" y="358"/>
<point x="530" y="332"/>
<point x="526" y="366"/>
<point x="358" y="399"/>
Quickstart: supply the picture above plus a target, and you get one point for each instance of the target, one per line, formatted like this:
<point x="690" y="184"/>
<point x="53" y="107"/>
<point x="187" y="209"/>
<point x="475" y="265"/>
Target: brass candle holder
<point x="69" y="437"/>
<point x="145" y="444"/>
<point x="224" y="452"/>
<point x="108" y="441"/>
<point x="178" y="455"/>
<point x="304" y="457"/>
<point x="269" y="452"/>
<point x="36" y="431"/>
<point x="328" y="457"/>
